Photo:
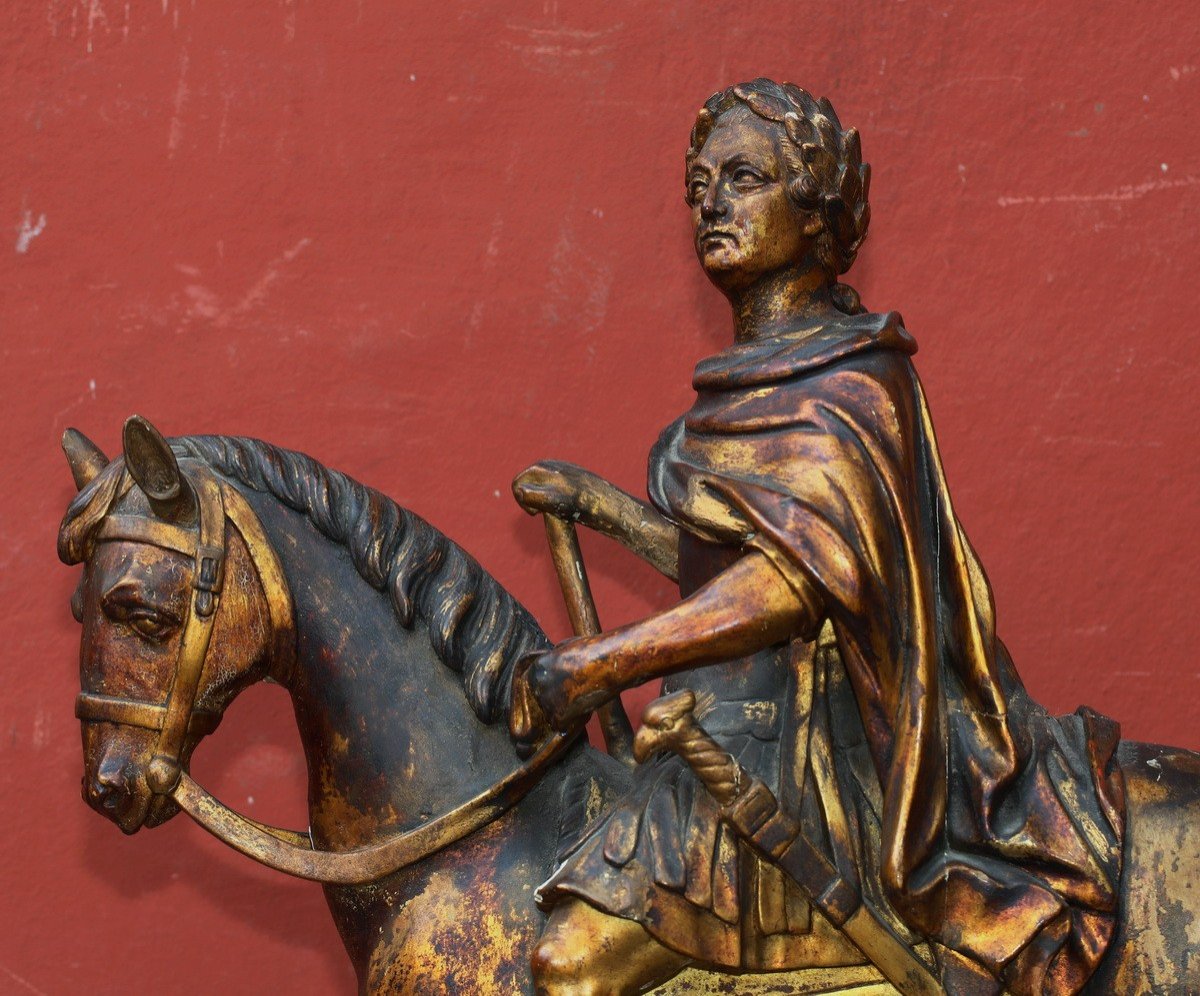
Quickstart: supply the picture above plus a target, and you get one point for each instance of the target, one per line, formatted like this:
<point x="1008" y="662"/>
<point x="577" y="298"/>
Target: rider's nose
<point x="713" y="205"/>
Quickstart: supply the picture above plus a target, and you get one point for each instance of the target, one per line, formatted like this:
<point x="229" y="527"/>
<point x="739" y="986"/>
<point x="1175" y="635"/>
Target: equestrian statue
<point x="845" y="787"/>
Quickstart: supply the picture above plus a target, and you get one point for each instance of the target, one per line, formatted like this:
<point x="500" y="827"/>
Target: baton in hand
<point x="581" y="609"/>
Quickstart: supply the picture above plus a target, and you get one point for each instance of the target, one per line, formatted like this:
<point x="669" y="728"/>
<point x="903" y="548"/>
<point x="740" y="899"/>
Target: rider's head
<point x="773" y="179"/>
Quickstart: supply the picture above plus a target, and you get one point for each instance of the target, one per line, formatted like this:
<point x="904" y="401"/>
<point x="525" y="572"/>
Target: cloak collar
<point x="766" y="361"/>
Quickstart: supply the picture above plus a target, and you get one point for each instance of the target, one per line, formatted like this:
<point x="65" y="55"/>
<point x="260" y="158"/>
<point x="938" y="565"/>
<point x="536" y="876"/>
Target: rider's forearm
<point x="744" y="609"/>
<point x="634" y="524"/>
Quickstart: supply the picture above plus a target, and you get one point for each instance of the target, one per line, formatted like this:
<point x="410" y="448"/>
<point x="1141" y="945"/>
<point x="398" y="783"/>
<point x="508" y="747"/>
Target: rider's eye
<point x="150" y="625"/>
<point x="696" y="191"/>
<point x="746" y="177"/>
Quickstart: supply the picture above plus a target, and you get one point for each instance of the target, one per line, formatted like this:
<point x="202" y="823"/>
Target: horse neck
<point x="388" y="734"/>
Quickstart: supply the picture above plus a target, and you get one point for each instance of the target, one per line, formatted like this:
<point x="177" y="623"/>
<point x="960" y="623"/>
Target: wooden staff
<point x="581" y="608"/>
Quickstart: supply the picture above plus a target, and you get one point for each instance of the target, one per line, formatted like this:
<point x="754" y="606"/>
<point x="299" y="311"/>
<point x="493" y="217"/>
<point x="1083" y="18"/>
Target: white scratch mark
<point x="92" y="388"/>
<point x="1127" y="192"/>
<point x="558" y="48"/>
<point x="95" y="15"/>
<point x="223" y="128"/>
<point x="21" y="981"/>
<point x="175" y="132"/>
<point x="476" y="318"/>
<point x="289" y="23"/>
<point x="579" y="285"/>
<point x="1103" y="441"/>
<point x="258" y="292"/>
<point x="40" y="733"/>
<point x="493" y="246"/>
<point x="29" y="230"/>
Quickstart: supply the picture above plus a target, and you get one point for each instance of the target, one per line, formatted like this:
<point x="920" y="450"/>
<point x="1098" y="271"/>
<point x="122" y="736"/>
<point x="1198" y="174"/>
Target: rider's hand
<point x="555" y="679"/>
<point x="549" y="486"/>
<point x="526" y="721"/>
<point x="542" y="696"/>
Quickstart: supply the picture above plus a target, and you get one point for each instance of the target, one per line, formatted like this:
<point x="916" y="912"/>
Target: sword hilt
<point x="669" y="723"/>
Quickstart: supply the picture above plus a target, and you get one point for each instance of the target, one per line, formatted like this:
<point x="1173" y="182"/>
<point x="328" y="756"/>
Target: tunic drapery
<point x="1002" y="826"/>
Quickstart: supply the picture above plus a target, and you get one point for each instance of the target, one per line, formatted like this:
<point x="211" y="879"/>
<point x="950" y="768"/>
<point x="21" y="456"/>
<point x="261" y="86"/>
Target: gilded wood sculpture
<point x="845" y="787"/>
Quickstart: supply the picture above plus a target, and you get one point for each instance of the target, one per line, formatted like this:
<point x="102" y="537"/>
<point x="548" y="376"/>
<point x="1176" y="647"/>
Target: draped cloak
<point x="1001" y="826"/>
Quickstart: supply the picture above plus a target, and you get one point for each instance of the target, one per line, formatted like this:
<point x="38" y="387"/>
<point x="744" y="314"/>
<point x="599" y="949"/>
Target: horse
<point x="211" y="563"/>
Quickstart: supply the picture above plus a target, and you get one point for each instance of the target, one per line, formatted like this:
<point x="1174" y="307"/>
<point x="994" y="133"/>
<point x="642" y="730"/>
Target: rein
<point x="289" y="851"/>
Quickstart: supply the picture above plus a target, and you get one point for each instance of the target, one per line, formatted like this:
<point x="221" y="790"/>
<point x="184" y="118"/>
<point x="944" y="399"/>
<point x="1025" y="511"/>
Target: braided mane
<point x="476" y="627"/>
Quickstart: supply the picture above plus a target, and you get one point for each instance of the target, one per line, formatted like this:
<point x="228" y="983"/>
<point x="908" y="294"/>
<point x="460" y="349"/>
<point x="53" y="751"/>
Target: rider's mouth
<point x="716" y="237"/>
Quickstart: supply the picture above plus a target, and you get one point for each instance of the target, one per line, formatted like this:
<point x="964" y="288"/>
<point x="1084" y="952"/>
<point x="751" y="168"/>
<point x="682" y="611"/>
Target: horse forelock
<point x="87" y="510"/>
<point x="475" y="626"/>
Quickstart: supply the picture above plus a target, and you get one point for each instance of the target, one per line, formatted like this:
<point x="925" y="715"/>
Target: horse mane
<point x="476" y="628"/>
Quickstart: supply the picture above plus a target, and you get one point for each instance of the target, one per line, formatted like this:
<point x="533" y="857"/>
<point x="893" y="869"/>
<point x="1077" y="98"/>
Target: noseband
<point x="177" y="718"/>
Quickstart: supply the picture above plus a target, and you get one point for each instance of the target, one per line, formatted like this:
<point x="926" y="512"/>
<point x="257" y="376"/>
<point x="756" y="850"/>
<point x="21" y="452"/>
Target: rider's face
<point x="745" y="224"/>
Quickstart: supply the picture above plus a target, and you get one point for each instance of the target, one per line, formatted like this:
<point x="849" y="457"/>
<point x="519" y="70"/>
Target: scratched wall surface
<point x="431" y="243"/>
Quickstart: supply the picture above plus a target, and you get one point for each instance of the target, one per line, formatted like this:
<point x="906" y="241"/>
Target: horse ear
<point x="84" y="456"/>
<point x="152" y="464"/>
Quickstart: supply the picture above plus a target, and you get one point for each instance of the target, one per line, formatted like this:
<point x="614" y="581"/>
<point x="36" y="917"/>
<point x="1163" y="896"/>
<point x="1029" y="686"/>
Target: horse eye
<point x="150" y="625"/>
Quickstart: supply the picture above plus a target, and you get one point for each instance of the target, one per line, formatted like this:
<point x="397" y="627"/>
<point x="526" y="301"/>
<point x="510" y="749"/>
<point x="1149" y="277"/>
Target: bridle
<point x="204" y="544"/>
<point x="179" y="717"/>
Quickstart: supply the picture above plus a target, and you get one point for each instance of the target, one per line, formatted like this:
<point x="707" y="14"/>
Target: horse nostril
<point x="105" y="791"/>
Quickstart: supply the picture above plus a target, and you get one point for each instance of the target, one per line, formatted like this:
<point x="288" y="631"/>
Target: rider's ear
<point x="153" y="466"/>
<point x="84" y="456"/>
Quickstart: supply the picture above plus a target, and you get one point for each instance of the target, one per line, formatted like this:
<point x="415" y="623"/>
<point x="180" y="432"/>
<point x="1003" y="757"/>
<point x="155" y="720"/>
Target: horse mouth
<point x="130" y="811"/>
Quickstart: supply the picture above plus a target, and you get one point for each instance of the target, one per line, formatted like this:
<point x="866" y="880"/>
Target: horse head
<point x="183" y="605"/>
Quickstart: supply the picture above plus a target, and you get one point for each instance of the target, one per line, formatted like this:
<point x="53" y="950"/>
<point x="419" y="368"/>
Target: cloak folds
<point x="1002" y="826"/>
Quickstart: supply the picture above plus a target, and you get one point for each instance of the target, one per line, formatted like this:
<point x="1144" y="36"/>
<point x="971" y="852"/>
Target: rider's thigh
<point x="583" y="952"/>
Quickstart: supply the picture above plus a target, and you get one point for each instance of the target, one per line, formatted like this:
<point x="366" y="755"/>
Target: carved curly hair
<point x="824" y="164"/>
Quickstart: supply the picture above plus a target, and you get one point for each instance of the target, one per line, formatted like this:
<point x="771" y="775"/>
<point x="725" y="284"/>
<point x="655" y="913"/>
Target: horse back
<point x="1156" y="948"/>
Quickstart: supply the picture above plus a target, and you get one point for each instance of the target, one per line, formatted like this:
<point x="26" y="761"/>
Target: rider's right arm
<point x="569" y="492"/>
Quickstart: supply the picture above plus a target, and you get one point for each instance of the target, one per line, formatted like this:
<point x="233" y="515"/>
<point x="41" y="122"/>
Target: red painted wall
<point x="431" y="243"/>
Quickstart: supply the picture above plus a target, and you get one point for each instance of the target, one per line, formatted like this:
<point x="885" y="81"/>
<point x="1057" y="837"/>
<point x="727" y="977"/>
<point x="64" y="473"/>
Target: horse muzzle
<point x="117" y="790"/>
